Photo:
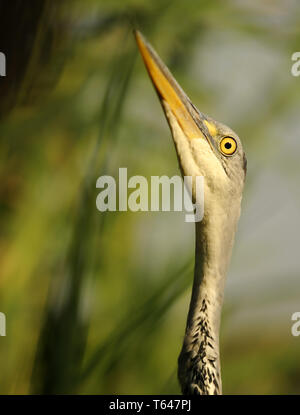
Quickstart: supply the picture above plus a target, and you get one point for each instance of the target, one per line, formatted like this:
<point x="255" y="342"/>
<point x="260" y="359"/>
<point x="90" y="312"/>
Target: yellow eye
<point x="228" y="146"/>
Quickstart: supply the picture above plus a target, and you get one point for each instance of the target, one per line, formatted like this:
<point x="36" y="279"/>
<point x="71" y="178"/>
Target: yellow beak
<point x="188" y="117"/>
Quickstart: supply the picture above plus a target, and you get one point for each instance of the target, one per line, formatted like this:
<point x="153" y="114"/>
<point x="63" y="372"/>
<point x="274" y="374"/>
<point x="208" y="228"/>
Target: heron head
<point x="204" y="146"/>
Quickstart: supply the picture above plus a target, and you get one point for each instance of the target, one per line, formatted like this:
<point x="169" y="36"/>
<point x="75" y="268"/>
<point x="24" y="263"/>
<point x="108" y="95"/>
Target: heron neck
<point x="199" y="361"/>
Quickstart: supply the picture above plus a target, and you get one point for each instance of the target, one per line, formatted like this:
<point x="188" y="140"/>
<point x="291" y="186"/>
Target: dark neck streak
<point x="199" y="369"/>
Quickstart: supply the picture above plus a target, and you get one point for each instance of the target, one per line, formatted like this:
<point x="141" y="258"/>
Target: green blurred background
<point x="97" y="303"/>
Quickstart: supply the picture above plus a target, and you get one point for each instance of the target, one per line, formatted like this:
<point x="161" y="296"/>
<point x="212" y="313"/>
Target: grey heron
<point x="206" y="148"/>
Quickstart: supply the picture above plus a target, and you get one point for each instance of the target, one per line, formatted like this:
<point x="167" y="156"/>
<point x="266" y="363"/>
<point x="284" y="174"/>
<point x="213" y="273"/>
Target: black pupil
<point x="228" y="145"/>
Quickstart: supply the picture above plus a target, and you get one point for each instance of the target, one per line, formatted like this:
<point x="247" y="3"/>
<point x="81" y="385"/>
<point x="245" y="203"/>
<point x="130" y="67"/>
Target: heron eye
<point x="228" y="146"/>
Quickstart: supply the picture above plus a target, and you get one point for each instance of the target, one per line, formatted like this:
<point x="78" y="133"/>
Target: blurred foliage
<point x="97" y="303"/>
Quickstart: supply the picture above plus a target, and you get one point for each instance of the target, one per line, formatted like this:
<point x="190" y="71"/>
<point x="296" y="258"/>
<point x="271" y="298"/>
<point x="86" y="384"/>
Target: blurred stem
<point x="63" y="337"/>
<point x="147" y="314"/>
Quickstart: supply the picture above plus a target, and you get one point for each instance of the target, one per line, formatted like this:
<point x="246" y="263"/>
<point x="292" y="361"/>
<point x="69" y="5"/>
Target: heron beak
<point x="192" y="122"/>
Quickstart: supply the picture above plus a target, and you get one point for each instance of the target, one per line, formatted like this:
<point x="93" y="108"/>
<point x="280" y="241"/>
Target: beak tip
<point x="136" y="34"/>
<point x="140" y="39"/>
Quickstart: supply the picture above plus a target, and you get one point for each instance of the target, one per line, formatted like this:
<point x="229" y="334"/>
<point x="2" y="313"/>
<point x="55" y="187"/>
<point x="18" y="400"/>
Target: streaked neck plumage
<point x="199" y="368"/>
